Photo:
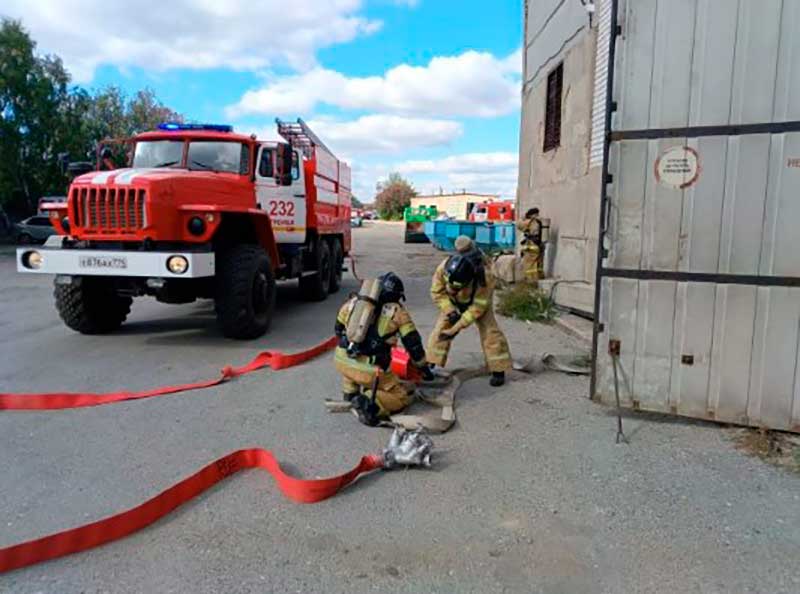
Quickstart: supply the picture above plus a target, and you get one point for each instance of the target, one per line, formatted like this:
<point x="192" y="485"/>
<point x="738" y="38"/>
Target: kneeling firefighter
<point x="367" y="327"/>
<point x="463" y="289"/>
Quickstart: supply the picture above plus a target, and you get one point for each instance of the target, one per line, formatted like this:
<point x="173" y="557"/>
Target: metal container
<point x="701" y="283"/>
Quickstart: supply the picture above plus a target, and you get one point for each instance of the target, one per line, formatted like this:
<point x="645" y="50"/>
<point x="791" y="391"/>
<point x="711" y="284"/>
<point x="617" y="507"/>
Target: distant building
<point x="454" y="205"/>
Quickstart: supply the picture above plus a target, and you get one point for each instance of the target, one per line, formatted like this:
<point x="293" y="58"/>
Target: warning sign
<point x="678" y="167"/>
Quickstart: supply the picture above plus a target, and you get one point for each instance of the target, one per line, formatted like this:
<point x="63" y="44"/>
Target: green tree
<point x="356" y="202"/>
<point x="393" y="196"/>
<point x="41" y="117"/>
<point x="34" y="106"/>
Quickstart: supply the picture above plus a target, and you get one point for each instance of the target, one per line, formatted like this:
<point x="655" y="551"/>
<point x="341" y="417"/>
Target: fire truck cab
<point x="200" y="212"/>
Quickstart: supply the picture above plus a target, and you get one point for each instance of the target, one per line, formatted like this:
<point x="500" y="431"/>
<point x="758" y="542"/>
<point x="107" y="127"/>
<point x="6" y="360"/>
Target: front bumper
<point x="81" y="262"/>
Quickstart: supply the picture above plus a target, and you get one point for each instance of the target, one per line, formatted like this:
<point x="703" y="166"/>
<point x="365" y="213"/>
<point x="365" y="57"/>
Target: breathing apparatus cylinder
<point x="363" y="315"/>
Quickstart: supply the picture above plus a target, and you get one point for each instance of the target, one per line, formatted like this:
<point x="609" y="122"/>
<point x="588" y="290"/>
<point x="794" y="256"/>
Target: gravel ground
<point x="528" y="493"/>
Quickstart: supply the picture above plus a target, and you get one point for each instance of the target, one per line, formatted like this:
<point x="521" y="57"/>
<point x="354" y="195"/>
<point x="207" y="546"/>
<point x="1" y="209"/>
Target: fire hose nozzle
<point x="407" y="448"/>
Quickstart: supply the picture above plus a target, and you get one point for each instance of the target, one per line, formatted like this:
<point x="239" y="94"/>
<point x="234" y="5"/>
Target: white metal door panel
<point x="743" y="209"/>
<point x="739" y="217"/>
<point x="653" y="344"/>
<point x="780" y="256"/>
<point x="729" y="353"/>
<point x="618" y="310"/>
<point x="755" y="65"/>
<point x="773" y="382"/>
<point x="693" y="338"/>
<point x="701" y="227"/>
<point x="734" y="310"/>
<point x="706" y="62"/>
<point x="787" y="88"/>
<point x="700" y="287"/>
<point x="712" y="63"/>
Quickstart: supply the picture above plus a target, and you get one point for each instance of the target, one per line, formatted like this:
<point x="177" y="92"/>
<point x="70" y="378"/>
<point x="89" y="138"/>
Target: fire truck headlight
<point x="177" y="264"/>
<point x="32" y="260"/>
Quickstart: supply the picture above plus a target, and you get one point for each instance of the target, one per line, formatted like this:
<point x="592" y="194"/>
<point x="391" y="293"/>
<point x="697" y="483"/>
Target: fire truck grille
<point x="109" y="210"/>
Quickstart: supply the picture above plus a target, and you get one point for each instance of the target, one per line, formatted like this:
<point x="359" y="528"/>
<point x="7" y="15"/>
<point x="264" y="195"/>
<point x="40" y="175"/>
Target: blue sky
<point x="429" y="88"/>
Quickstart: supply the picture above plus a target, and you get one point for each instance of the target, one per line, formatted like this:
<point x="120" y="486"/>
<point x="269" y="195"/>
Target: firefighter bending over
<point x="532" y="245"/>
<point x="462" y="289"/>
<point x="367" y="327"/>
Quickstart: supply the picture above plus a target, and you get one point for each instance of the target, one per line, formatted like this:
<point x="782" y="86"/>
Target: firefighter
<point x="367" y="382"/>
<point x="532" y="246"/>
<point x="462" y="289"/>
<point x="107" y="159"/>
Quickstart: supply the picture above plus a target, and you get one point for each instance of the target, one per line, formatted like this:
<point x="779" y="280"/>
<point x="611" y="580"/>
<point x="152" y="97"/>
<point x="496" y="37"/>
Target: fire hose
<point x="60" y="400"/>
<point x="404" y="449"/>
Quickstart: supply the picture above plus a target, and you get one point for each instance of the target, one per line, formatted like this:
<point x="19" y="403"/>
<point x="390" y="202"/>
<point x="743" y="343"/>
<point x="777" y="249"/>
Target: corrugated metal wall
<point x="721" y="346"/>
<point x="600" y="82"/>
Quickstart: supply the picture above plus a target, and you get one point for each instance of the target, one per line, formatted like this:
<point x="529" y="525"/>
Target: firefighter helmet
<point x="392" y="290"/>
<point x="459" y="271"/>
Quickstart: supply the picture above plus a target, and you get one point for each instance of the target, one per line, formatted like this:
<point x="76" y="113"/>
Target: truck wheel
<point x="315" y="287"/>
<point x="337" y="256"/>
<point x="91" y="306"/>
<point x="245" y="292"/>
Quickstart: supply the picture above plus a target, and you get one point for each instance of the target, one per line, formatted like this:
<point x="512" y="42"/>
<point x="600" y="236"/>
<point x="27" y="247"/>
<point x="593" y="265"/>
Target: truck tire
<point x="337" y="256"/>
<point x="245" y="298"/>
<point x="315" y="287"/>
<point x="91" y="305"/>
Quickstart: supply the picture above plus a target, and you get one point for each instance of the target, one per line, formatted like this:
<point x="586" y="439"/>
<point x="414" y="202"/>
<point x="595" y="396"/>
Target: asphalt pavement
<point x="528" y="493"/>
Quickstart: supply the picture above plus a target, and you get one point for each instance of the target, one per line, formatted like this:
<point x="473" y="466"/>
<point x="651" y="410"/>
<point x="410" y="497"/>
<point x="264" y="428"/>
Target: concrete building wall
<point x="563" y="182"/>
<point x="455" y="205"/>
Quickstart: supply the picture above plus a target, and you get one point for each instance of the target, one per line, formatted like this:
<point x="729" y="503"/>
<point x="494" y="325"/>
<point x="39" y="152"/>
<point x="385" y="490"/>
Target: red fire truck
<point x="493" y="211"/>
<point x="200" y="212"/>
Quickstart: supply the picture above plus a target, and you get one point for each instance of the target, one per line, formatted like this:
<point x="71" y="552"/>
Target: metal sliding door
<point x="699" y="278"/>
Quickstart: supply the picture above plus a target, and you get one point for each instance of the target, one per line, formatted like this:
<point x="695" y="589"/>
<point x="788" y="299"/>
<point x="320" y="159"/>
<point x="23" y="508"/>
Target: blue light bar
<point x="175" y="126"/>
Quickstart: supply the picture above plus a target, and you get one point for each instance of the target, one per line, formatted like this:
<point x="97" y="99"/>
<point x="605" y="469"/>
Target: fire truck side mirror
<point x="283" y="164"/>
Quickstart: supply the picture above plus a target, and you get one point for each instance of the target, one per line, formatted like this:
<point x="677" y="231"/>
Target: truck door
<point x="286" y="205"/>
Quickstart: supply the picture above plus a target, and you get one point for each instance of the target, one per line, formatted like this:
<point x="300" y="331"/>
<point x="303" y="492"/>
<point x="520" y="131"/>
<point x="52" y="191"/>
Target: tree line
<point x="43" y="116"/>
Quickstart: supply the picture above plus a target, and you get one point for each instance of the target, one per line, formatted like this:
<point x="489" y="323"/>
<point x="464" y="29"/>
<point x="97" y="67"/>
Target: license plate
<point x="103" y="262"/>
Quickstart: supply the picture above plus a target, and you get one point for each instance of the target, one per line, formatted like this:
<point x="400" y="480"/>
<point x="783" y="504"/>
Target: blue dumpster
<point x="490" y="237"/>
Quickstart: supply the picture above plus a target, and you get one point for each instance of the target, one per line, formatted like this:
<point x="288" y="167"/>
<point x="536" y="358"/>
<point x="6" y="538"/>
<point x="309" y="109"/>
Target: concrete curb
<point x="575" y="326"/>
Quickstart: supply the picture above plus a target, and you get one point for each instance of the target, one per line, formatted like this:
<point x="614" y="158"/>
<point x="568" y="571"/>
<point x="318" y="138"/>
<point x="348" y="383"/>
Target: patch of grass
<point x="774" y="447"/>
<point x="524" y="301"/>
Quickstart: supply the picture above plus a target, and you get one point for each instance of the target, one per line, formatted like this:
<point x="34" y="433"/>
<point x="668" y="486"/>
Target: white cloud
<point x="484" y="173"/>
<point x="195" y="34"/>
<point x="465" y="163"/>
<point x="385" y="133"/>
<point x="470" y="84"/>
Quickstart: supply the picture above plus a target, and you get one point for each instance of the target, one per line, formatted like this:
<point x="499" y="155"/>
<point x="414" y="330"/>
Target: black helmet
<point x="460" y="270"/>
<point x="392" y="290"/>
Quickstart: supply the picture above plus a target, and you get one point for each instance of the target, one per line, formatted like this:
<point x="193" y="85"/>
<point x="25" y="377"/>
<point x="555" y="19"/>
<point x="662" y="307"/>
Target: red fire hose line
<point x="123" y="524"/>
<point x="59" y="400"/>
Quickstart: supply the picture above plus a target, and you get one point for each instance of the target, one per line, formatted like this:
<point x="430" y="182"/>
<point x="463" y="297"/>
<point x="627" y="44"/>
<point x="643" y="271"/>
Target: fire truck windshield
<point x="228" y="157"/>
<point x="158" y="153"/>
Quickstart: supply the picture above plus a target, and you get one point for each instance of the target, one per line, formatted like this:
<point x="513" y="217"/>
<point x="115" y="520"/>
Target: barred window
<point x="552" y="113"/>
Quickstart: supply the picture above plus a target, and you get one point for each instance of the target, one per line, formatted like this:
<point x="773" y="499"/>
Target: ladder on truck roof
<point x="300" y="136"/>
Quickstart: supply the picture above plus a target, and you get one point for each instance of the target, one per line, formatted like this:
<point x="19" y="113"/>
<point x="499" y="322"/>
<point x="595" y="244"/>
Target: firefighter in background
<point x="368" y="325"/>
<point x="532" y="246"/>
<point x="107" y="160"/>
<point x="462" y="289"/>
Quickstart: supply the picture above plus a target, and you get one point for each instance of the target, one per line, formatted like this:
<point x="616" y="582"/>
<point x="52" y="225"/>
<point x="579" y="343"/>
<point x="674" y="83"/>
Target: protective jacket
<point x="392" y="322"/>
